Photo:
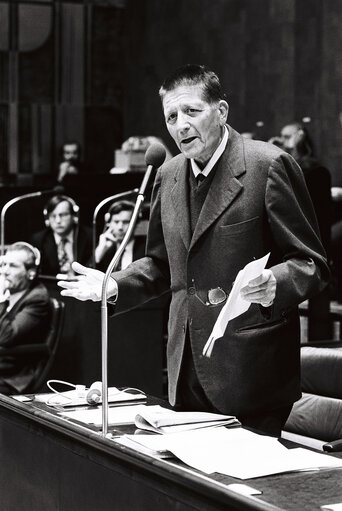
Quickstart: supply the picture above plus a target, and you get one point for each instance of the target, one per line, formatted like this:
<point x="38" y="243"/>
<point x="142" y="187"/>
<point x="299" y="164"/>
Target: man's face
<point x="70" y="153"/>
<point x="61" y="219"/>
<point x="194" y="124"/>
<point x="118" y="224"/>
<point x="288" y="136"/>
<point x="15" y="272"/>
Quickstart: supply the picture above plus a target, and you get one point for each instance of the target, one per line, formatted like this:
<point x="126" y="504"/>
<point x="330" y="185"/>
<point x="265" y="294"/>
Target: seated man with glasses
<point x="63" y="240"/>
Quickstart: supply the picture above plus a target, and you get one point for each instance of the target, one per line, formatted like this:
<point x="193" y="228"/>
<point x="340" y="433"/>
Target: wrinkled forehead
<point x="182" y="96"/>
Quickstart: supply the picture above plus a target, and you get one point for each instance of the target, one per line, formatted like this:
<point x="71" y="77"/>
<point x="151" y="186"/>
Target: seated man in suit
<point x="117" y="221"/>
<point x="64" y="240"/>
<point x="24" y="313"/>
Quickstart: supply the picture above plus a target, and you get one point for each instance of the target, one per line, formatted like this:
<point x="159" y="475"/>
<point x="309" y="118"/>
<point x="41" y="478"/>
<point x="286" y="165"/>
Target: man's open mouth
<point x="188" y="140"/>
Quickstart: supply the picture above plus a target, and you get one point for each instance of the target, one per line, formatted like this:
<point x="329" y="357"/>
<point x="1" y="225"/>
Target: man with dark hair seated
<point x="24" y="313"/>
<point x="116" y="224"/>
<point x="64" y="240"/>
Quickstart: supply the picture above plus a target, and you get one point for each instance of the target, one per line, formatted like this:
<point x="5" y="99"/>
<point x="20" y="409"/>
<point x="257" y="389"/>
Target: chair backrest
<point x="43" y="366"/>
<point x="318" y="414"/>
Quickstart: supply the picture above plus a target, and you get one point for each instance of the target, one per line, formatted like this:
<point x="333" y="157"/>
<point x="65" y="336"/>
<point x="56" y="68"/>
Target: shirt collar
<point x="217" y="154"/>
<point x="69" y="237"/>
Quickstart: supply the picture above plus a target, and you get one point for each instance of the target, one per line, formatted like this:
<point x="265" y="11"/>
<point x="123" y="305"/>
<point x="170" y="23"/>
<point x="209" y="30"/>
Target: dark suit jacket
<point x="257" y="203"/>
<point x="45" y="241"/>
<point x="27" y="322"/>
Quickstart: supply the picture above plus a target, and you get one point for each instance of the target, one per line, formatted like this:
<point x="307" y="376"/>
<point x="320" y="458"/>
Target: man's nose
<point x="183" y="124"/>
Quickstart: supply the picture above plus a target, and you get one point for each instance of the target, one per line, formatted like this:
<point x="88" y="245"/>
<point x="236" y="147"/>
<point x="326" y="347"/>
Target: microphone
<point x="154" y="158"/>
<point x="57" y="189"/>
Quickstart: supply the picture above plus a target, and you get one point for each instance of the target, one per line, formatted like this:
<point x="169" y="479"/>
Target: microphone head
<point x="155" y="155"/>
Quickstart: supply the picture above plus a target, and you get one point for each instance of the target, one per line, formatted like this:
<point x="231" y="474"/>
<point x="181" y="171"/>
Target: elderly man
<point x="222" y="202"/>
<point x="24" y="313"/>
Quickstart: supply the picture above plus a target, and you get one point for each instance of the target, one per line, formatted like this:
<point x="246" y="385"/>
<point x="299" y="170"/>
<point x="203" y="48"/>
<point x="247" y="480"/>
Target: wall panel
<point x="279" y="60"/>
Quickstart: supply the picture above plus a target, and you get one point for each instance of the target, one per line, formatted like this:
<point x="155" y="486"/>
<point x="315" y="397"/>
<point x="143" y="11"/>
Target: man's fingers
<point x="69" y="284"/>
<point x="262" y="279"/>
<point x="79" y="268"/>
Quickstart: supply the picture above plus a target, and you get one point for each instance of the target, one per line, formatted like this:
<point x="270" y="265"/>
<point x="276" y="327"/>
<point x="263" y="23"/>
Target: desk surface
<point x="47" y="456"/>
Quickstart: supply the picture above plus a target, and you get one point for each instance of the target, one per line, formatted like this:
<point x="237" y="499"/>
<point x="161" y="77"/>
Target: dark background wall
<point x="91" y="69"/>
<point x="279" y="60"/>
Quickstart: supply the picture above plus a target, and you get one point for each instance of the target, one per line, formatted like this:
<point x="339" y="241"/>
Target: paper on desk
<point x="117" y="416"/>
<point x="162" y="420"/>
<point x="332" y="507"/>
<point x="235" y="304"/>
<point x="236" y="452"/>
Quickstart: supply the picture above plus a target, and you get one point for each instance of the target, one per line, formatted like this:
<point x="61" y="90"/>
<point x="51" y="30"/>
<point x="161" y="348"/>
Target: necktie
<point x="63" y="259"/>
<point x="200" y="178"/>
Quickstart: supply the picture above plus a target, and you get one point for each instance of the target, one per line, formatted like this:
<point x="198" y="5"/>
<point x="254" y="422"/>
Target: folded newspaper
<point x="161" y="420"/>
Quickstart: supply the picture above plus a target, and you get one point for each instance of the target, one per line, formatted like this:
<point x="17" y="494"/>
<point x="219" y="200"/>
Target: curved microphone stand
<point x="104" y="311"/>
<point x="3" y="213"/>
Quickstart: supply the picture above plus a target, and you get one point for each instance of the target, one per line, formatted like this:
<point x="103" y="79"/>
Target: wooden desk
<point x="48" y="463"/>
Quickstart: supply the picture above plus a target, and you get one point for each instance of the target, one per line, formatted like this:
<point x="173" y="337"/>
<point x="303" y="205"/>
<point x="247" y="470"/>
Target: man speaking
<point x="218" y="205"/>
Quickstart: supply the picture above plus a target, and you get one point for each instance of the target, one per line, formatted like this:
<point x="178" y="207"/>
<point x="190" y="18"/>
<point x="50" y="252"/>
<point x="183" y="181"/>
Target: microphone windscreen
<point x="155" y="155"/>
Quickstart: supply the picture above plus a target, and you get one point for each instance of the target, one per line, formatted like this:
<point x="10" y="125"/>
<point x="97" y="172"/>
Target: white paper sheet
<point x="117" y="416"/>
<point x="236" y="452"/>
<point x="235" y="304"/>
<point x="162" y="420"/>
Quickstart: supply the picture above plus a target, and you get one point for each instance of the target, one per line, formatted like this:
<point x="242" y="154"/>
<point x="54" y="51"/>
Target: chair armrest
<point x="335" y="446"/>
<point x="25" y="349"/>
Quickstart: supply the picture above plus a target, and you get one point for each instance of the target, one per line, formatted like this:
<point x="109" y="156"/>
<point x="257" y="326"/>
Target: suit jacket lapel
<point x="180" y="200"/>
<point x="51" y="253"/>
<point x="18" y="303"/>
<point x="225" y="186"/>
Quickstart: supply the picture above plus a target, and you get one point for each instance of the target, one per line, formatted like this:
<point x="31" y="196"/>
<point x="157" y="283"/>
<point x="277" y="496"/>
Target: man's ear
<point x="223" y="110"/>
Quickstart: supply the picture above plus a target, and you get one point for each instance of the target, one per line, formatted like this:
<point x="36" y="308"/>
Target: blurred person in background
<point x="295" y="139"/>
<point x="24" y="313"/>
<point x="116" y="224"/>
<point x="63" y="240"/>
<point x="71" y="160"/>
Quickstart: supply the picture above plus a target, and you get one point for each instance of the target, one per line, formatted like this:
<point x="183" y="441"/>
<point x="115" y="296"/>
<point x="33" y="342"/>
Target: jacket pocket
<point x="239" y="228"/>
<point x="266" y="324"/>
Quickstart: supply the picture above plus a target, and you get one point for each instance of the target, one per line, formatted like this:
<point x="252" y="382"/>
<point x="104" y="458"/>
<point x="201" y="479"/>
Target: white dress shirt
<point x="217" y="154"/>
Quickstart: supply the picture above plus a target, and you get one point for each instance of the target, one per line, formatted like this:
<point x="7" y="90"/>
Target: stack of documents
<point x="236" y="452"/>
<point x="152" y="418"/>
<point x="161" y="420"/>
